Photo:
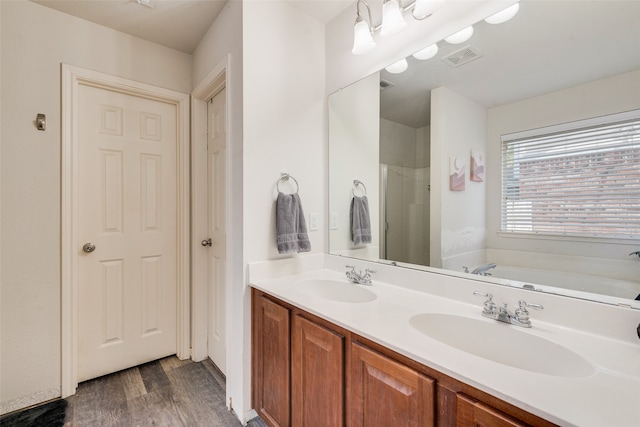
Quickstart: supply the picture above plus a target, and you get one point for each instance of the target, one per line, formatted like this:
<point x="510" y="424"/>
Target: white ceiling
<point x="548" y="46"/>
<point x="323" y="10"/>
<point x="177" y="24"/>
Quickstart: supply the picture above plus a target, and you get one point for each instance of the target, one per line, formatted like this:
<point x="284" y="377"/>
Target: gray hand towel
<point x="291" y="227"/>
<point x="360" y="221"/>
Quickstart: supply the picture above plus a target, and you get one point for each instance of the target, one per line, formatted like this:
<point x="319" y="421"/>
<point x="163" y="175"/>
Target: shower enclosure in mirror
<point x="556" y="66"/>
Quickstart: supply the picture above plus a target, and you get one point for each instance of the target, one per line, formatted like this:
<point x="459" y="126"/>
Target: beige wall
<point x="458" y="125"/>
<point x="354" y="153"/>
<point x="397" y="144"/>
<point x="35" y="41"/>
<point x="284" y="119"/>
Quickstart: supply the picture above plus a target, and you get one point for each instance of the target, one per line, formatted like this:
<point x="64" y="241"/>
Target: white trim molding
<point x="212" y="84"/>
<point x="72" y="78"/>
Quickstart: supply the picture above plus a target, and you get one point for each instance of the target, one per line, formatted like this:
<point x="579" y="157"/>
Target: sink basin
<point x="502" y="343"/>
<point x="335" y="290"/>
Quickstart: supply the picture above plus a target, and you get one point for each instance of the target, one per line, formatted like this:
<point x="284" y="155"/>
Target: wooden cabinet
<point x="317" y="375"/>
<point x="298" y="368"/>
<point x="386" y="393"/>
<point x="471" y="413"/>
<point x="308" y="372"/>
<point x="272" y="370"/>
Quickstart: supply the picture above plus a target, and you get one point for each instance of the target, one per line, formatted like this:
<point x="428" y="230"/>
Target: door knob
<point x="206" y="242"/>
<point x="89" y="247"/>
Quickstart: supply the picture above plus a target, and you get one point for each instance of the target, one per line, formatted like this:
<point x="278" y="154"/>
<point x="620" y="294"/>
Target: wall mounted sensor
<point x="41" y="122"/>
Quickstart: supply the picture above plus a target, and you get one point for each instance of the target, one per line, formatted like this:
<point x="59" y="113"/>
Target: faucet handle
<point x="351" y="275"/>
<point x="366" y="278"/>
<point x="522" y="314"/>
<point x="482" y="294"/>
<point x="489" y="307"/>
<point x="523" y="304"/>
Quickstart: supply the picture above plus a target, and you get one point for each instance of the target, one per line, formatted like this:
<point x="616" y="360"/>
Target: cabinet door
<point x="317" y="375"/>
<point x="471" y="413"/>
<point x="271" y="362"/>
<point x="387" y="393"/>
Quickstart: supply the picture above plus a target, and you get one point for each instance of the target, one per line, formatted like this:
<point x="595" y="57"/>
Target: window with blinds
<point x="582" y="180"/>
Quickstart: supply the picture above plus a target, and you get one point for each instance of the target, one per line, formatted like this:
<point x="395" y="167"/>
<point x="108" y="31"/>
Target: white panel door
<point x="217" y="261"/>
<point x="128" y="210"/>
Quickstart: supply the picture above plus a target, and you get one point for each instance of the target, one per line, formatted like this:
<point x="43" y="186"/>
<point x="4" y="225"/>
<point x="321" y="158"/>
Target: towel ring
<point x="357" y="182"/>
<point x="285" y="177"/>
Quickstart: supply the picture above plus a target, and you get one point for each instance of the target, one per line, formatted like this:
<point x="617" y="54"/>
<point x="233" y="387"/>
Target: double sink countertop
<point x="567" y="375"/>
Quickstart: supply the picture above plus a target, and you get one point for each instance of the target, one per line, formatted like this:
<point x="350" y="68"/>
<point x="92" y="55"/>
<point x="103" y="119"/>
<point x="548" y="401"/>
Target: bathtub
<point x="579" y="283"/>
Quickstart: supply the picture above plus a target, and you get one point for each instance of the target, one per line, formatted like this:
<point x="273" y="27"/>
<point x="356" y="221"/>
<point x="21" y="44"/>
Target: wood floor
<point x="167" y="392"/>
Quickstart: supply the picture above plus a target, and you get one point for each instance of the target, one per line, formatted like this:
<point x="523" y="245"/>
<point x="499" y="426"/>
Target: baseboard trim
<point x="29" y="400"/>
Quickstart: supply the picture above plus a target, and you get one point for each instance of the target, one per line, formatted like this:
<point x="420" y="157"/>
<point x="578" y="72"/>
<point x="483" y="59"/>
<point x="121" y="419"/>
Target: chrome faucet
<point x="482" y="270"/>
<point x="520" y="317"/>
<point x="359" y="278"/>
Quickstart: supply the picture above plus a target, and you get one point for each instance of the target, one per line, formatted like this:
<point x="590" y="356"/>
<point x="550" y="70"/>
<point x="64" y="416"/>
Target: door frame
<point x="72" y="78"/>
<point x="212" y="84"/>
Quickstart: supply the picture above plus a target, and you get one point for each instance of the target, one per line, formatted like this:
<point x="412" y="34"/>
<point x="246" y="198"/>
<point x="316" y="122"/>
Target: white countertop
<point x="608" y="397"/>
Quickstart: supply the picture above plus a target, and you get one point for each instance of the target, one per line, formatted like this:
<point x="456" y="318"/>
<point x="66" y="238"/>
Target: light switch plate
<point x="313" y="221"/>
<point x="334" y="221"/>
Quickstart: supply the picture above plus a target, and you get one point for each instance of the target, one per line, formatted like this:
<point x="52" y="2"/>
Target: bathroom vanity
<point x="308" y="371"/>
<point x="328" y="352"/>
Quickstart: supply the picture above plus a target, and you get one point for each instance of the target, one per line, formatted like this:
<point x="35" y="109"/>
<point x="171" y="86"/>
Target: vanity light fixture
<point x="461" y="36"/>
<point x="398" y="67"/>
<point x="424" y="8"/>
<point x="426" y="53"/>
<point x="362" y="32"/>
<point x="392" y="20"/>
<point x="504" y="15"/>
<point x="147" y="3"/>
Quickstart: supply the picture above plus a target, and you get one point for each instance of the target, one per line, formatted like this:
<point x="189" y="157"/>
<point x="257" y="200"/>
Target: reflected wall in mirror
<point x="555" y="63"/>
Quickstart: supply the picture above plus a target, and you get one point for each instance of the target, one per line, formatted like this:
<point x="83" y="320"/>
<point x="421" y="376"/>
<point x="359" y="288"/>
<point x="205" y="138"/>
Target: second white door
<point x="216" y="223"/>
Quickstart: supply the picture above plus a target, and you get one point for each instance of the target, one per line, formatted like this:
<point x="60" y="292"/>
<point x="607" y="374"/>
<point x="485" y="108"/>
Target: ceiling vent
<point x="385" y="84"/>
<point x="461" y="56"/>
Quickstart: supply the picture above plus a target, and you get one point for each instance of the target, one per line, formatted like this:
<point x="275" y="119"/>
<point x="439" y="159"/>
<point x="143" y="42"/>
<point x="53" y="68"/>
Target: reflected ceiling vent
<point x="385" y="84"/>
<point x="461" y="56"/>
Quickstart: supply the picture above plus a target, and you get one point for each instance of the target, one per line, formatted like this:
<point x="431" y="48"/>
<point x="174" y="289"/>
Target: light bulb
<point x="426" y="53"/>
<point x="504" y="15"/>
<point x="424" y="8"/>
<point x="362" y="38"/>
<point x="392" y="20"/>
<point x="398" y="67"/>
<point x="461" y="36"/>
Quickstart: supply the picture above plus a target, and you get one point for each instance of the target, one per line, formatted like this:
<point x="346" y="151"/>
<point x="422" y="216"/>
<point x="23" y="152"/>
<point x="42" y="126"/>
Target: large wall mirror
<point x="432" y="148"/>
